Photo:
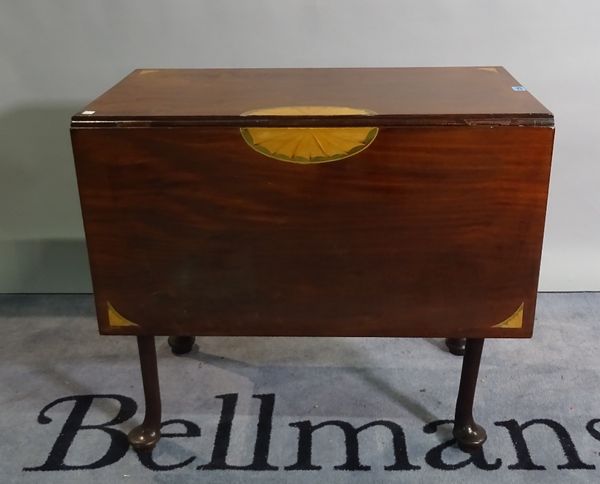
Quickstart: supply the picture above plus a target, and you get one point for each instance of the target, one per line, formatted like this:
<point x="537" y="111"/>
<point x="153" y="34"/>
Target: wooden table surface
<point x="423" y="95"/>
<point x="431" y="227"/>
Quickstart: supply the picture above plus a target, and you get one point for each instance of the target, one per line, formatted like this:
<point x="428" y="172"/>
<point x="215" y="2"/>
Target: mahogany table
<point x="314" y="202"/>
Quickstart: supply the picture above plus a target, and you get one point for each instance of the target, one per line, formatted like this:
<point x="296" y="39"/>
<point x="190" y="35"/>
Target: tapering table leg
<point x="181" y="344"/>
<point x="456" y="346"/>
<point x="469" y="435"/>
<point x="144" y="437"/>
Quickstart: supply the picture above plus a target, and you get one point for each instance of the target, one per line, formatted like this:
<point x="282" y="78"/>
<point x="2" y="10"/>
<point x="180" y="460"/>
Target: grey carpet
<point x="538" y="400"/>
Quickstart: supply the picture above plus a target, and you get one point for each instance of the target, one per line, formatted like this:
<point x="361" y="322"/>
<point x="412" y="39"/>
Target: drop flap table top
<point x="315" y="202"/>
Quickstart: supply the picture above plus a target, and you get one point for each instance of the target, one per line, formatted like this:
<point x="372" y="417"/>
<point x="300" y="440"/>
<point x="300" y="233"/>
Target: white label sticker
<point x="519" y="88"/>
<point x="88" y="112"/>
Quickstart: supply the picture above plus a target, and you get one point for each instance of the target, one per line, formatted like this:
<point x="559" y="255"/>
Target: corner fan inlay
<point x="116" y="319"/>
<point x="514" y="321"/>
<point x="305" y="144"/>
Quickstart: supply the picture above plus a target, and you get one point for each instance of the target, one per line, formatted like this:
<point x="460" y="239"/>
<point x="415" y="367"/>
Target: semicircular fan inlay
<point x="307" y="144"/>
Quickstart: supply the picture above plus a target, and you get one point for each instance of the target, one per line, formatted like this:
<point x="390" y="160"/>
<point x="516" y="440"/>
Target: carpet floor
<point x="296" y="410"/>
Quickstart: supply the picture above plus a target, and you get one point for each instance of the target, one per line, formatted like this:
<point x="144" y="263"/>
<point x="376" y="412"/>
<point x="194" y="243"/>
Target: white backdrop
<point x="56" y="55"/>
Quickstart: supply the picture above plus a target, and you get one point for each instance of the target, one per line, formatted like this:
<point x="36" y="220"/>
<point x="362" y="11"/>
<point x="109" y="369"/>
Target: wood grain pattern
<point x="431" y="231"/>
